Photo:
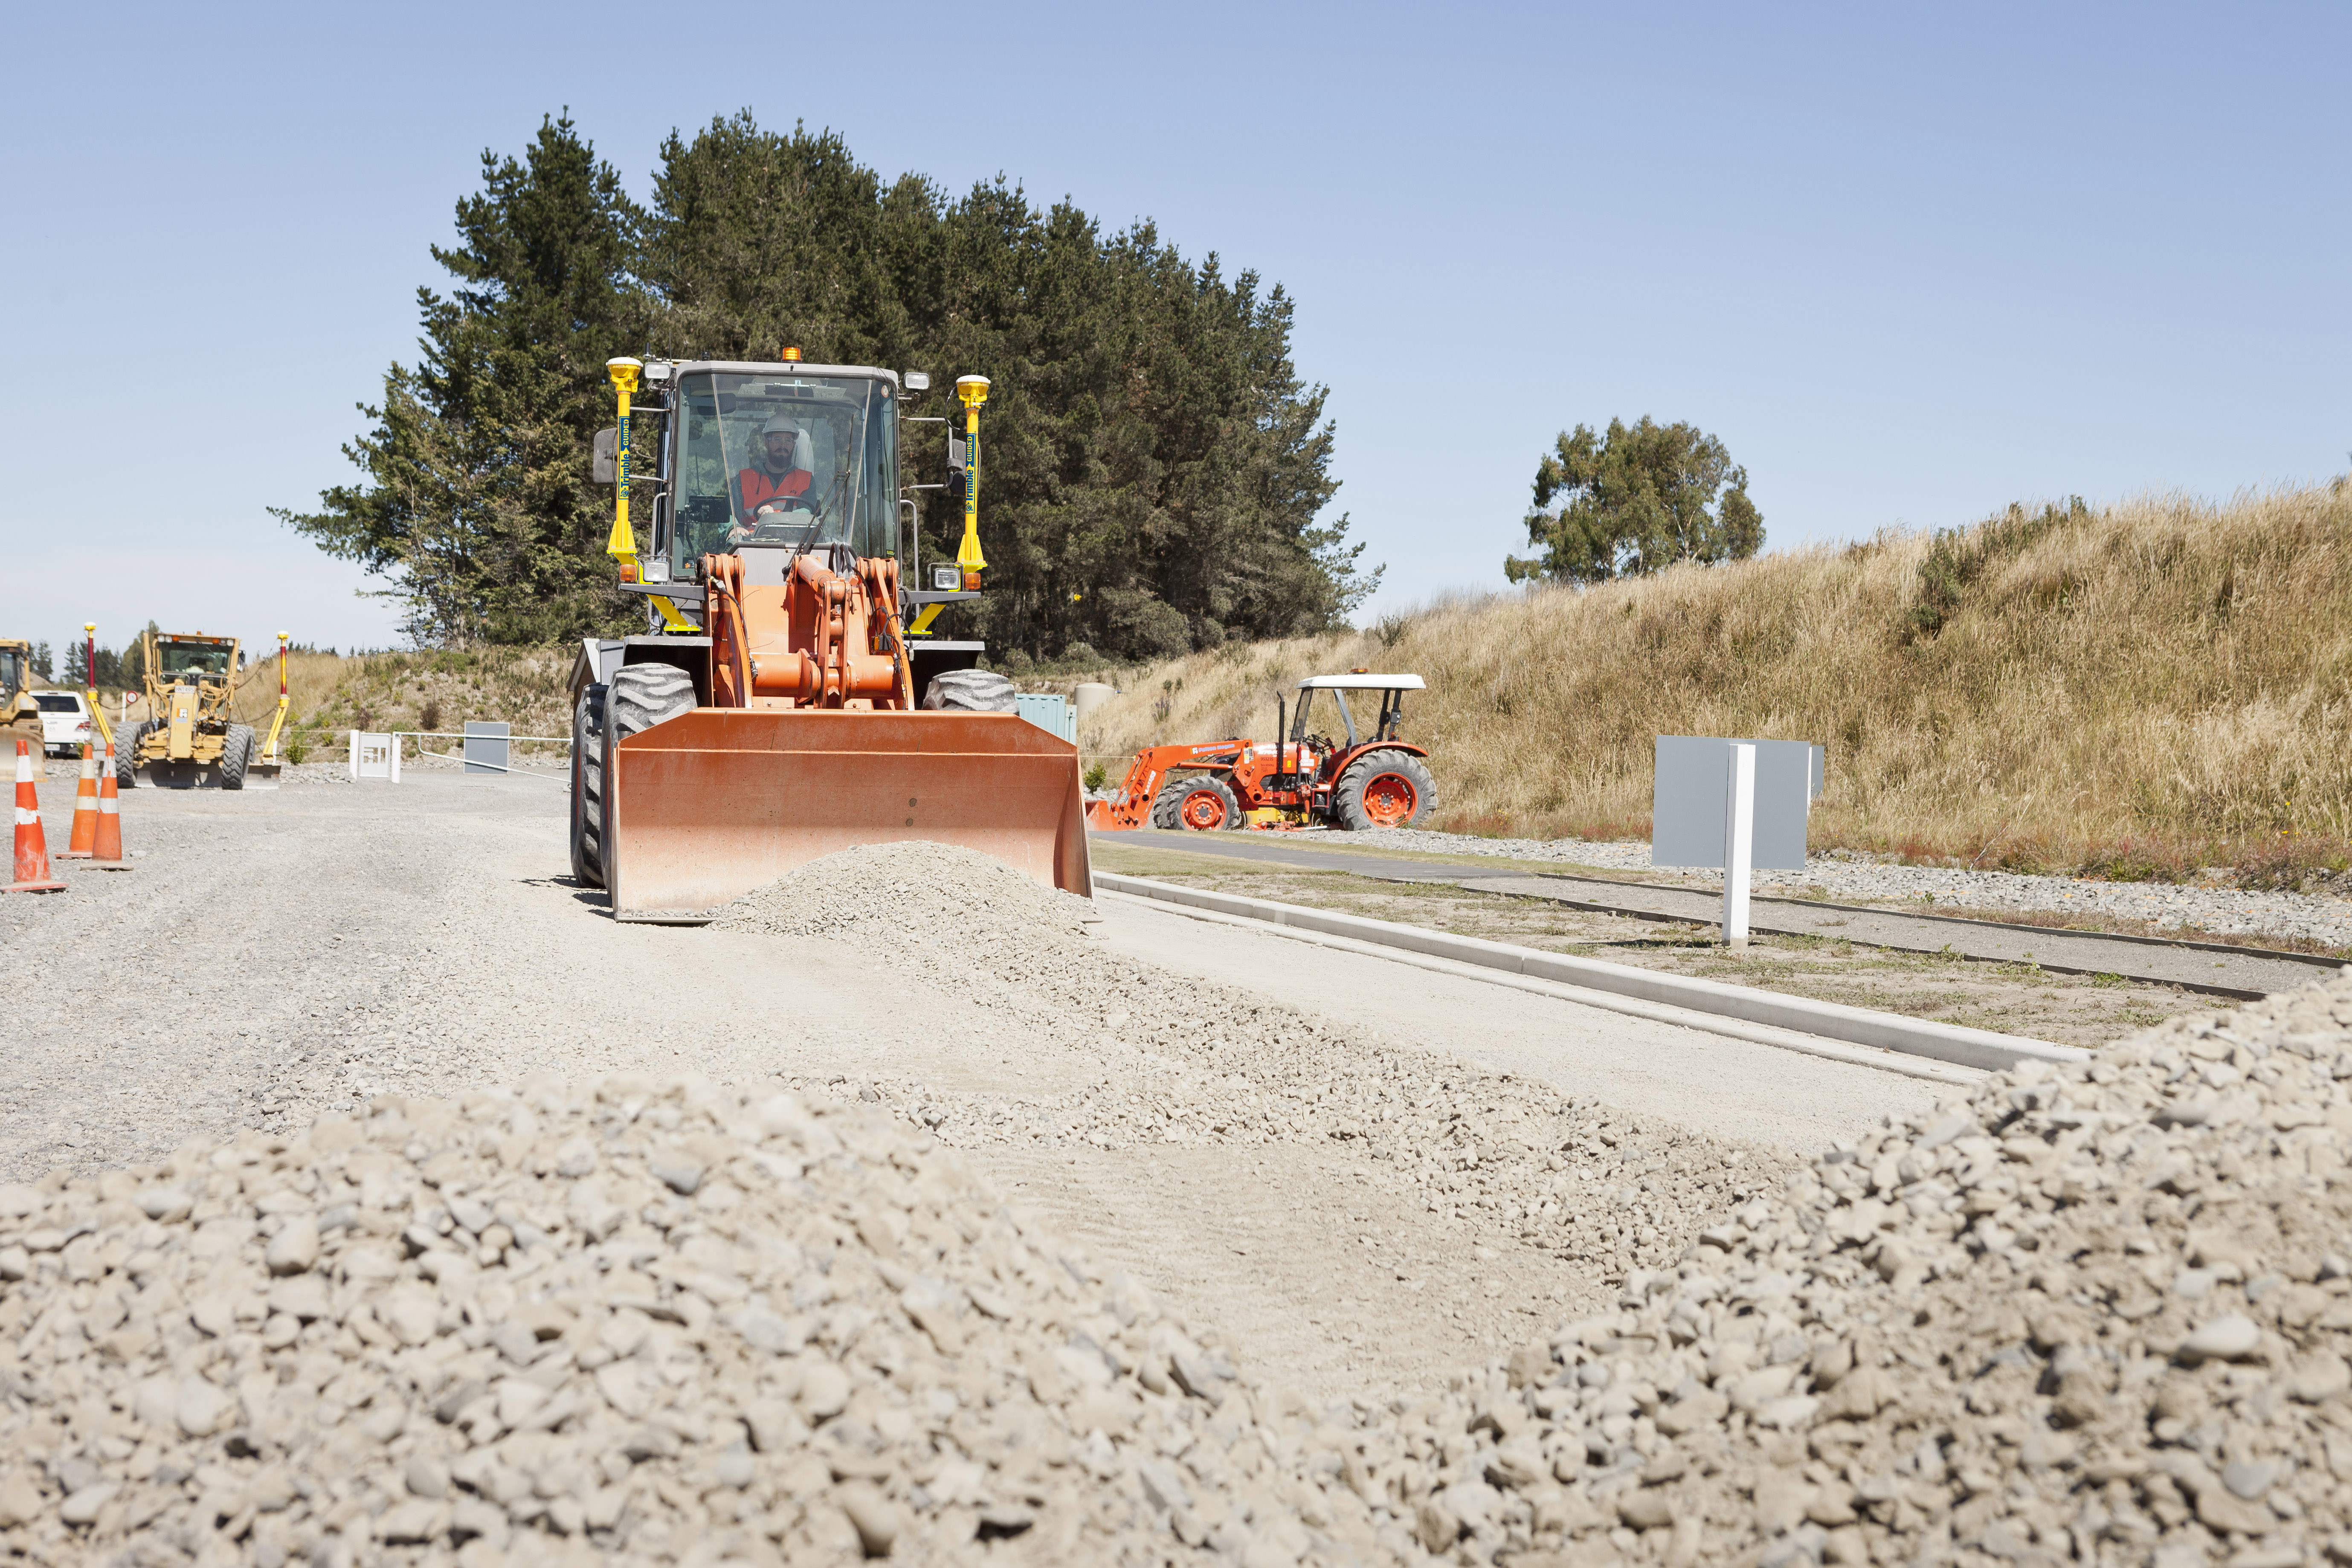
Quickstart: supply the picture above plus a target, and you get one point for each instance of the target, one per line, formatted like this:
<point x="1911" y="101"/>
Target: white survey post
<point x="1739" y="842"/>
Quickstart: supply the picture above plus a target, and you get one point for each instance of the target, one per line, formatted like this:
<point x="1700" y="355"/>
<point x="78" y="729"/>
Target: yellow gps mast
<point x="269" y="749"/>
<point x="974" y="391"/>
<point x="622" y="545"/>
<point x="89" y="667"/>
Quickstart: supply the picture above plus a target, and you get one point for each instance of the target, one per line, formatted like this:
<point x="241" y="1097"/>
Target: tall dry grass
<point x="437" y="689"/>
<point x="2140" y="688"/>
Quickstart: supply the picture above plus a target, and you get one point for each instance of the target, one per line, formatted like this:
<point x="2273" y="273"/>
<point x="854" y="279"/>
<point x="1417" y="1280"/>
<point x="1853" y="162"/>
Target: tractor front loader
<point x="1302" y="781"/>
<point x="188" y="737"/>
<point x="786" y="701"/>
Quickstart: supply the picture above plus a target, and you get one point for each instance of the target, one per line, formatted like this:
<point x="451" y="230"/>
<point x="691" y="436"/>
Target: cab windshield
<point x="777" y="458"/>
<point x="192" y="658"/>
<point x="12" y="673"/>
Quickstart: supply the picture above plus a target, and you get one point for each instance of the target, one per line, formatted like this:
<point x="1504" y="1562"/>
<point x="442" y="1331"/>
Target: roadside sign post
<point x="1736" y="805"/>
<point x="1738" y="841"/>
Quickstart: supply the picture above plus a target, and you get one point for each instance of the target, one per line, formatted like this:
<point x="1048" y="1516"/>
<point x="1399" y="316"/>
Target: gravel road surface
<point x="277" y="955"/>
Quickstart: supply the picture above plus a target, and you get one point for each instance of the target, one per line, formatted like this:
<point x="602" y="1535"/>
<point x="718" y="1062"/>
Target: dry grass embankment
<point x="437" y="688"/>
<point x="2136" y="691"/>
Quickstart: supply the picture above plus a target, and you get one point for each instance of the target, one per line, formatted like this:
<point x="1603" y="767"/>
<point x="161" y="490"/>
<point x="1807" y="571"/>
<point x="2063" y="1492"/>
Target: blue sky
<point x="1910" y="263"/>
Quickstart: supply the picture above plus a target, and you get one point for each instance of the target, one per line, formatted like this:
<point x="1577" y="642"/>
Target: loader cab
<point x="721" y="491"/>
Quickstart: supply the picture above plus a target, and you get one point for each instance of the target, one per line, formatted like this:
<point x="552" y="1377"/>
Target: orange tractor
<point x="787" y="700"/>
<point x="1308" y="780"/>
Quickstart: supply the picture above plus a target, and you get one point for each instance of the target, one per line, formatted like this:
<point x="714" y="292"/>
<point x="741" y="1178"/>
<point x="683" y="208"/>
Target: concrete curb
<point x="1980" y="1048"/>
<point x="1603" y="1001"/>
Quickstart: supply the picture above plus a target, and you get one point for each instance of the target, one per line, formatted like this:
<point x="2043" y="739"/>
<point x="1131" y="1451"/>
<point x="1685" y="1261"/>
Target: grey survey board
<point x="486" y="746"/>
<point x="1692" y="793"/>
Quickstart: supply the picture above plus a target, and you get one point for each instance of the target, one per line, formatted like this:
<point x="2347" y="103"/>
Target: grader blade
<point x="704" y="807"/>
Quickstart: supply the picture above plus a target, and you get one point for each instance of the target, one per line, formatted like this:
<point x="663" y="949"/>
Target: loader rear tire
<point x="638" y="697"/>
<point x="588" y="787"/>
<point x="126" y="757"/>
<point x="237" y="755"/>
<point x="970" y="691"/>
<point x="1383" y="789"/>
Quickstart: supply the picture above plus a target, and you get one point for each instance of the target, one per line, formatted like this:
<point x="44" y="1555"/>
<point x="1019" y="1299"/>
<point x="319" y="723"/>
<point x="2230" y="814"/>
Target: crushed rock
<point x="2098" y="1315"/>
<point x="1187" y="1061"/>
<point x="658" y="1323"/>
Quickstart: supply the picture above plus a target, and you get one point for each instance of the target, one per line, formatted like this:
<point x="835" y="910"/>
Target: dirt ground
<point x="278" y="954"/>
<point x="2013" y="998"/>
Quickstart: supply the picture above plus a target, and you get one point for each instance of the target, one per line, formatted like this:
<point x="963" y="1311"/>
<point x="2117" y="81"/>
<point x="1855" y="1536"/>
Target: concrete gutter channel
<point x="1923" y="1050"/>
<point x="2213" y="969"/>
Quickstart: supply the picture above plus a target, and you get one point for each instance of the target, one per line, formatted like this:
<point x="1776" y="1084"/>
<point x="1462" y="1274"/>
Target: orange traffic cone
<point x="32" y="849"/>
<point x="85" y="822"/>
<point x="107" y="853"/>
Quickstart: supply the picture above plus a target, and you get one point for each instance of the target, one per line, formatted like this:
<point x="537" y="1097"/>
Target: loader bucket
<point x="704" y="807"/>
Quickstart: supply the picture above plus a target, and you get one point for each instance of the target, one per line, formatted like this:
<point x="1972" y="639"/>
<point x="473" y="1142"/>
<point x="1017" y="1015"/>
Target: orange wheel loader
<point x="787" y="700"/>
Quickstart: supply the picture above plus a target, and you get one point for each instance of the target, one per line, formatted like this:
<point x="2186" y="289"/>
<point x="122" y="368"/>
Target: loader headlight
<point x="946" y="579"/>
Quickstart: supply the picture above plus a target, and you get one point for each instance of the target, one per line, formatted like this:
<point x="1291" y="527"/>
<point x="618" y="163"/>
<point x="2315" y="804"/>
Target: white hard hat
<point x="778" y="422"/>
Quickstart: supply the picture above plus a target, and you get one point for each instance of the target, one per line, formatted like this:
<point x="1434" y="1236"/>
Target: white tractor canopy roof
<point x="1364" y="683"/>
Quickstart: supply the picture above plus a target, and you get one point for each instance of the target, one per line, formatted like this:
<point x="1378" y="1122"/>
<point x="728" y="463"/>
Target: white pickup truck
<point x="65" y="722"/>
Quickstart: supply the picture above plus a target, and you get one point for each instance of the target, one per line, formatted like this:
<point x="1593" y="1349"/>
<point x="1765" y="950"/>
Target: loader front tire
<point x="237" y="755"/>
<point x="1383" y="789"/>
<point x="126" y="757"/>
<point x="638" y="697"/>
<point x="588" y="787"/>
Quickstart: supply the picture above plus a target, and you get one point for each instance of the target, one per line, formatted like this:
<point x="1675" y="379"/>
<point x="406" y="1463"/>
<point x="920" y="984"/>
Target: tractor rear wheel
<point x="1383" y="789"/>
<point x="588" y="786"/>
<point x="1206" y="805"/>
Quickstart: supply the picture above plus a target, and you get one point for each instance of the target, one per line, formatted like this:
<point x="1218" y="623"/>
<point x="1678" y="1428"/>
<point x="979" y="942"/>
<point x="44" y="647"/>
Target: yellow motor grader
<point x="20" y="716"/>
<point x="188" y="738"/>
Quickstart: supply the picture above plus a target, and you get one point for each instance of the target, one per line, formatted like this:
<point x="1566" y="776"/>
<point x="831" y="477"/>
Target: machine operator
<point x="774" y="478"/>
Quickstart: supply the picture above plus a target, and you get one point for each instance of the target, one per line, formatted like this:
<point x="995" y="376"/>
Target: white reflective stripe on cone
<point x="25" y="817"/>
<point x="107" y="805"/>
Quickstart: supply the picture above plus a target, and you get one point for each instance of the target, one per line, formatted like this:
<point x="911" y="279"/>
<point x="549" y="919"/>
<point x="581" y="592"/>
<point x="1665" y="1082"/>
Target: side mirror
<point x="604" y="467"/>
<point x="916" y="381"/>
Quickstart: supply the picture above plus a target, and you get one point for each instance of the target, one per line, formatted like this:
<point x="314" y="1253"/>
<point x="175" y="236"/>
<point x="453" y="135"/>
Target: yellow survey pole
<point x="974" y="391"/>
<point x="89" y="665"/>
<point x="622" y="545"/>
<point x="269" y="751"/>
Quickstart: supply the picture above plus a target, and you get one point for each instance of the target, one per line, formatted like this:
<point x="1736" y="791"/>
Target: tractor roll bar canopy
<point x="1362" y="683"/>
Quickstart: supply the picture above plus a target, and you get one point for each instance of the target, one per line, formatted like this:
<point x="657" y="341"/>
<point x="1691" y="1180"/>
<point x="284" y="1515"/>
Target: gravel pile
<point x="651" y="1324"/>
<point x="2098" y="1315"/>
<point x="2228" y="911"/>
<point x="1186" y="1061"/>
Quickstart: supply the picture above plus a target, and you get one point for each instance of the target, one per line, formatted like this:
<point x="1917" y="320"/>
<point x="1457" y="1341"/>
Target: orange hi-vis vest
<point x="754" y="488"/>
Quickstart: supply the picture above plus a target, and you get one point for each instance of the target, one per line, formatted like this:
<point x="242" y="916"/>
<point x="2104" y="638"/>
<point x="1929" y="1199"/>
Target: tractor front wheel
<point x="1383" y="789"/>
<point x="1207" y="806"/>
